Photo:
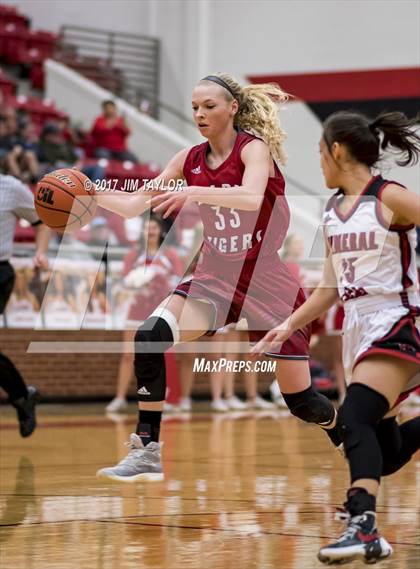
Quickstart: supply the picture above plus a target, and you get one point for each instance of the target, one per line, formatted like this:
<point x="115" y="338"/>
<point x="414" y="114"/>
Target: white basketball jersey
<point x="369" y="256"/>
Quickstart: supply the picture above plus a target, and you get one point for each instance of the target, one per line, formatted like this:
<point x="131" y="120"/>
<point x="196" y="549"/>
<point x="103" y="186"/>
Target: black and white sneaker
<point x="361" y="540"/>
<point x="25" y="407"/>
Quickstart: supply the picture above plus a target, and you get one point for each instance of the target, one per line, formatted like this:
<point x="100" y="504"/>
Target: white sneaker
<point x="274" y="390"/>
<point x="170" y="408"/>
<point x="414" y="399"/>
<point x="260" y="403"/>
<point x="117" y="405"/>
<point x="280" y="402"/>
<point x="219" y="405"/>
<point x="141" y="463"/>
<point x="185" y="404"/>
<point x="235" y="403"/>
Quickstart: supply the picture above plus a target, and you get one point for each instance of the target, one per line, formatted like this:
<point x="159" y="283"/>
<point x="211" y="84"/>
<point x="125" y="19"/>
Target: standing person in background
<point x="369" y="225"/>
<point x="110" y="133"/>
<point x="292" y="254"/>
<point x="163" y="265"/>
<point x="16" y="201"/>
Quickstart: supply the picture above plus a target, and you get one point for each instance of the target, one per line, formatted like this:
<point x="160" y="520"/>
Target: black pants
<point x="10" y="379"/>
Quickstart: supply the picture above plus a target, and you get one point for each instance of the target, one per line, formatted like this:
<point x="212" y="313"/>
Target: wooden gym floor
<point x="246" y="490"/>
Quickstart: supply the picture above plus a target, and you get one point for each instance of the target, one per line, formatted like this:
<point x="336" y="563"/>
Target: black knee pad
<point x="152" y="339"/>
<point x="389" y="439"/>
<point x="408" y="436"/>
<point x="310" y="406"/>
<point x="357" y="420"/>
<point x="363" y="407"/>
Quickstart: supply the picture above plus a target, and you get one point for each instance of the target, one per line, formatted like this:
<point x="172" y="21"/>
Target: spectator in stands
<point x="11" y="121"/>
<point x="16" y="154"/>
<point x="57" y="152"/>
<point x="54" y="151"/>
<point x="69" y="133"/>
<point x="100" y="233"/>
<point x="109" y="135"/>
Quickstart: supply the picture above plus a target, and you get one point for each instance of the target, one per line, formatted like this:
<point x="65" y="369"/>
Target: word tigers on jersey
<point x="235" y="243"/>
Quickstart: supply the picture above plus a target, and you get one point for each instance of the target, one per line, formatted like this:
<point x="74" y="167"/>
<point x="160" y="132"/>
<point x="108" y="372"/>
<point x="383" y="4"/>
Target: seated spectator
<point x="11" y="120"/>
<point x="109" y="135"/>
<point x="54" y="151"/>
<point x="100" y="233"/>
<point x="57" y="152"/>
<point x="69" y="133"/>
<point x="17" y="155"/>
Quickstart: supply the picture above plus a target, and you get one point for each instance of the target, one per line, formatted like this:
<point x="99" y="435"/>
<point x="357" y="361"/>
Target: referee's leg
<point x="20" y="396"/>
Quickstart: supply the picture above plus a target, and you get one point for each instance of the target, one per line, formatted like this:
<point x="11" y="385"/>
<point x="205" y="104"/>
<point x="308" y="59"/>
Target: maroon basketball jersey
<point x="233" y="233"/>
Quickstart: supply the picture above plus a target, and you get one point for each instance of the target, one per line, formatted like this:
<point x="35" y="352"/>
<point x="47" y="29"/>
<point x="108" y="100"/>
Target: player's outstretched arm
<point x="324" y="296"/>
<point x="404" y="204"/>
<point x="257" y="161"/>
<point x="135" y="203"/>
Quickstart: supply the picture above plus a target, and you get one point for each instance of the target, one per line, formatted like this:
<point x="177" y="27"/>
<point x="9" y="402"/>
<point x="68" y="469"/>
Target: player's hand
<point x="40" y="261"/>
<point x="170" y="201"/>
<point x="273" y="340"/>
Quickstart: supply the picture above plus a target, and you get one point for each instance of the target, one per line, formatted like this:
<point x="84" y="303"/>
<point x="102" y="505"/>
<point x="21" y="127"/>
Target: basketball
<point x="65" y="199"/>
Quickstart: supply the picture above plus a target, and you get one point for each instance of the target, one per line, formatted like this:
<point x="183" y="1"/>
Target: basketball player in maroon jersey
<point x="235" y="180"/>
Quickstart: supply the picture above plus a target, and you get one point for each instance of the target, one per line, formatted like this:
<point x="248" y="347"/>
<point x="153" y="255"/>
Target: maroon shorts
<point x="263" y="291"/>
<point x="149" y="298"/>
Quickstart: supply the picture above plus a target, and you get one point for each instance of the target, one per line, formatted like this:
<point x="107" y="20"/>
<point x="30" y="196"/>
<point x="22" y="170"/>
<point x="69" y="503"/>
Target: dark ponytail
<point x="398" y="132"/>
<point x="365" y="138"/>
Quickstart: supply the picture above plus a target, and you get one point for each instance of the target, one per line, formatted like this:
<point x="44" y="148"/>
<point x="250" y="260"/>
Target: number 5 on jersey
<point x="349" y="269"/>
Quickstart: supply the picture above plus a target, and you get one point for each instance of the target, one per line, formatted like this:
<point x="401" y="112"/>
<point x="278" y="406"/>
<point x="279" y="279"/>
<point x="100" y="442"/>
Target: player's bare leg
<point x="176" y="319"/>
<point x="125" y="375"/>
<point x="187" y="379"/>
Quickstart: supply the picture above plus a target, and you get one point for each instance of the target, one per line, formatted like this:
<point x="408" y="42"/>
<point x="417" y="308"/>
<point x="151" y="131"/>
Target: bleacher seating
<point x="11" y="15"/>
<point x="20" y="45"/>
<point x="7" y="85"/>
<point x="95" y="68"/>
<point x="40" y="111"/>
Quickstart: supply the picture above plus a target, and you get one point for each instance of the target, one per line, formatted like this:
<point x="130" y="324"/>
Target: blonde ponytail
<point x="258" y="112"/>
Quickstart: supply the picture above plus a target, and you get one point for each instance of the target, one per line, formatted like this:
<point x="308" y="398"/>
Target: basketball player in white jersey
<point x="371" y="265"/>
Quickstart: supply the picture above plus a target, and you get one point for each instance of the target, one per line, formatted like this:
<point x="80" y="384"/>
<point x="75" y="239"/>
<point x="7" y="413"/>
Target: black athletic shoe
<point x="25" y="407"/>
<point x="360" y="540"/>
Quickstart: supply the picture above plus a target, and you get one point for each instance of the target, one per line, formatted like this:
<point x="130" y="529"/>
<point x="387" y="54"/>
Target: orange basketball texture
<point x="65" y="199"/>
